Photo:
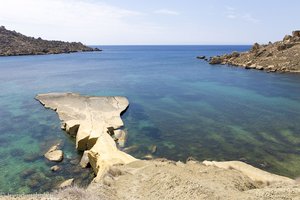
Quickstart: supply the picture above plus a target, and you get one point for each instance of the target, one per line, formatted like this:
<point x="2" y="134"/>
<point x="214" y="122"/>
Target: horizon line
<point x="169" y="44"/>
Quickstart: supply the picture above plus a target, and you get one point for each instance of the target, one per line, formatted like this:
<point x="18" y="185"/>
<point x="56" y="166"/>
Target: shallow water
<point x="180" y="104"/>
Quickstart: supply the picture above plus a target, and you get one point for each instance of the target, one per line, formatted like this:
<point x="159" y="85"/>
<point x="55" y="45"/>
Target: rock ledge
<point x="92" y="120"/>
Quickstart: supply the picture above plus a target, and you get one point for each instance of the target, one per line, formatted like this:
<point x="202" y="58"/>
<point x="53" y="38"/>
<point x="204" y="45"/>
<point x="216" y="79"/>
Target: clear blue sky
<point x="153" y="21"/>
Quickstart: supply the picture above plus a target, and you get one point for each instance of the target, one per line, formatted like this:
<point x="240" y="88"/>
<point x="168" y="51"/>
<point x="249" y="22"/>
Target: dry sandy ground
<point x="163" y="179"/>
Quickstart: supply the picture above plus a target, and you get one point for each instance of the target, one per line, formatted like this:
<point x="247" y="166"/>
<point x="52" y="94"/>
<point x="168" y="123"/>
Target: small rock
<point x="201" y="57"/>
<point x="253" y="66"/>
<point x="287" y="38"/>
<point x="296" y="33"/>
<point x="259" y="67"/>
<point x="131" y="149"/>
<point x="55" y="168"/>
<point x="148" y="157"/>
<point x="255" y="47"/>
<point x="53" y="154"/>
<point x="235" y="54"/>
<point x="84" y="160"/>
<point x="66" y="183"/>
<point x="270" y="67"/>
<point x="153" y="148"/>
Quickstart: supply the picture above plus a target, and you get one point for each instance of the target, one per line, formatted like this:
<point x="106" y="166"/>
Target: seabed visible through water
<point x="178" y="103"/>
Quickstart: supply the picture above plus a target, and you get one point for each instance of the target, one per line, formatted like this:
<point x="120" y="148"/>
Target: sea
<point x="179" y="105"/>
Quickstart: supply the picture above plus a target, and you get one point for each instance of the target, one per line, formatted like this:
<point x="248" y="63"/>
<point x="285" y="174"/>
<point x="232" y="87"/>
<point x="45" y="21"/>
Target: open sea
<point x="183" y="106"/>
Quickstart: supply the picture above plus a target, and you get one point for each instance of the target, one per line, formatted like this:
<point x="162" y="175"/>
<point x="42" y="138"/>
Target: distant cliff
<point x="14" y="44"/>
<point x="281" y="56"/>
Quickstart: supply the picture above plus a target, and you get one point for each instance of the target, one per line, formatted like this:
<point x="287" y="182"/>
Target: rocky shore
<point x="96" y="124"/>
<point x="280" y="56"/>
<point x="16" y="44"/>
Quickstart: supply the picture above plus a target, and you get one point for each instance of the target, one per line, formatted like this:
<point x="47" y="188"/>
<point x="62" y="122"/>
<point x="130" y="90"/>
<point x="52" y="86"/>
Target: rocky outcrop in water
<point x="281" y="56"/>
<point x="15" y="44"/>
<point x="54" y="154"/>
<point x="96" y="123"/>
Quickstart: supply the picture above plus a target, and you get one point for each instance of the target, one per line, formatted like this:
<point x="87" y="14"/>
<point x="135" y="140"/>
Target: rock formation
<point x="93" y="121"/>
<point x="54" y="154"/>
<point x="120" y="176"/>
<point x="14" y="44"/>
<point x="281" y="56"/>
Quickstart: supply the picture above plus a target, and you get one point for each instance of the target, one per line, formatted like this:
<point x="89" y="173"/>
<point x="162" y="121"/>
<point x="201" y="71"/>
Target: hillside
<point x="280" y="56"/>
<point x="14" y="44"/>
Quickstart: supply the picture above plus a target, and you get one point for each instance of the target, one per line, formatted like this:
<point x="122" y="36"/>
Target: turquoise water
<point x="179" y="103"/>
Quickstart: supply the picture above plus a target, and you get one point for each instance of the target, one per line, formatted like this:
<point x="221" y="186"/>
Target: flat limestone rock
<point x="89" y="119"/>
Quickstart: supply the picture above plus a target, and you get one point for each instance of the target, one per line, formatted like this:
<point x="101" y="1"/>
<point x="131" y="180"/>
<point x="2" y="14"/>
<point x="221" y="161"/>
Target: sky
<point x="153" y="22"/>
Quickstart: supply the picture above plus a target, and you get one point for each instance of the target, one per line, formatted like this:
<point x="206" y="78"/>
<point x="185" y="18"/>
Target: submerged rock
<point x="54" y="154"/>
<point x="55" y="168"/>
<point x="201" y="57"/>
<point x="92" y="120"/>
<point x="66" y="183"/>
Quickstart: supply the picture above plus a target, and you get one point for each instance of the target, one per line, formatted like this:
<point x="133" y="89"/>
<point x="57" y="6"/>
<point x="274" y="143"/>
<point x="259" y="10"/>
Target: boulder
<point x="215" y="60"/>
<point x="120" y="136"/>
<point x="97" y="119"/>
<point x="84" y="160"/>
<point x="296" y="33"/>
<point x="235" y="54"/>
<point x="54" y="154"/>
<point x="287" y="38"/>
<point x="255" y="47"/>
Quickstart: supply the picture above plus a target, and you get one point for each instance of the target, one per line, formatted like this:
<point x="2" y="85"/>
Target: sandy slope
<point x="163" y="179"/>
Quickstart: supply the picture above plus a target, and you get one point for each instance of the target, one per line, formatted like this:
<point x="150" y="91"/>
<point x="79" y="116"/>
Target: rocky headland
<point x="97" y="126"/>
<point x="280" y="56"/>
<point x="16" y="44"/>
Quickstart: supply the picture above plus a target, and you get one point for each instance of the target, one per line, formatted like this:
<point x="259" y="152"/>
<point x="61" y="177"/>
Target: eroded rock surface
<point x="280" y="56"/>
<point x="92" y="120"/>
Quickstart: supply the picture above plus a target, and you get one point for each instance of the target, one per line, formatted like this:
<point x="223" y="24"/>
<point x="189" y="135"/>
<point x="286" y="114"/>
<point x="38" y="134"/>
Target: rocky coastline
<point x="280" y="56"/>
<point x="96" y="124"/>
<point x="17" y="44"/>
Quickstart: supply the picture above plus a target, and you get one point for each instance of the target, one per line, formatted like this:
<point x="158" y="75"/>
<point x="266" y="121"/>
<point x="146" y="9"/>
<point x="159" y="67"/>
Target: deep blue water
<point x="182" y="105"/>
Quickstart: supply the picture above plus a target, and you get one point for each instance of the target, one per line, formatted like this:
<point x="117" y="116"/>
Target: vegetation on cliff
<point x="14" y="44"/>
